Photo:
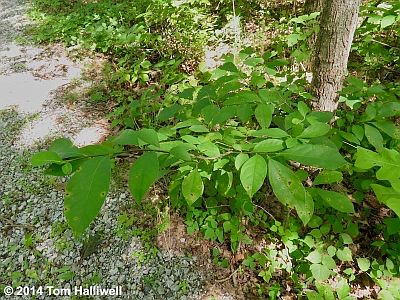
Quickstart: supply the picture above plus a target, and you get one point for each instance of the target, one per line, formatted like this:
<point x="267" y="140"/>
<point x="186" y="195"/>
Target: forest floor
<point x="37" y="248"/>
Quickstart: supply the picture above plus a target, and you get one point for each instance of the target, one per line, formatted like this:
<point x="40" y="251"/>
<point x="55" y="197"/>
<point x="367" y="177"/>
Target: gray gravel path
<point x="36" y="245"/>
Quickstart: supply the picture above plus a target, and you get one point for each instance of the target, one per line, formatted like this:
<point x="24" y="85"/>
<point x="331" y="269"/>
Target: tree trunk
<point x="332" y="48"/>
<point x="311" y="6"/>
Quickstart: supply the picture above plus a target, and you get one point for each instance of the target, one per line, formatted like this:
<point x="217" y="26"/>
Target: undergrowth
<point x="311" y="199"/>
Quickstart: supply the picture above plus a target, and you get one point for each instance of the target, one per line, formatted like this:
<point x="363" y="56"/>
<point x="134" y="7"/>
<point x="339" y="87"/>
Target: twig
<point x="12" y="224"/>
<point x="227" y="278"/>
<point x="266" y="211"/>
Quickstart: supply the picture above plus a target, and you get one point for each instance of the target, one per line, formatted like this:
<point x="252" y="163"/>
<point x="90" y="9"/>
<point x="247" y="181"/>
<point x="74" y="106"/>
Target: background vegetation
<point x="310" y="199"/>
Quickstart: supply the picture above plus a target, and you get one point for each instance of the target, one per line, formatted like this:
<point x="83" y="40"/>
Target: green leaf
<point x="331" y="250"/>
<point x="126" y="137"/>
<point x="328" y="262"/>
<point x="253" y="173"/>
<point x="263" y="114"/>
<point x="343" y="289"/>
<point x="64" y="148"/>
<point x="326" y="291"/>
<point x="192" y="187"/>
<point x="320" y="272"/>
<point x="388" y="21"/>
<point x="269" y="145"/>
<point x="374" y="137"/>
<point x="169" y="112"/>
<point x="181" y="152"/>
<point x="314" y="257"/>
<point x="290" y="191"/>
<point x="99" y="150"/>
<point x="143" y="174"/>
<point x="388" y="196"/>
<point x="293" y="38"/>
<point x="67" y="168"/>
<point x="315" y="130"/>
<point x="363" y="264"/>
<point x="240" y="160"/>
<point x="388" y="160"/>
<point x="337" y="201"/>
<point x="85" y="193"/>
<point x="198" y="128"/>
<point x="346" y="238"/>
<point x="270" y="133"/>
<point x="45" y="157"/>
<point x="209" y="149"/>
<point x="344" y="254"/>
<point x="149" y="136"/>
<point x="327" y="177"/>
<point x="315" y="155"/>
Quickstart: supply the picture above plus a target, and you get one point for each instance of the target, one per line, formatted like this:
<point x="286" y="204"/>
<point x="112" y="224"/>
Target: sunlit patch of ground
<point x="33" y="87"/>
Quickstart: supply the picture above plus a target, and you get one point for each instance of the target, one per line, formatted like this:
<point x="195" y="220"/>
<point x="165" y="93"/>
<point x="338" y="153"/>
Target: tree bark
<point x="338" y="23"/>
<point x="311" y="6"/>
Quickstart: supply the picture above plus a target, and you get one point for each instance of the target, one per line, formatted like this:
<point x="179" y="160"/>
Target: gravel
<point x="37" y="247"/>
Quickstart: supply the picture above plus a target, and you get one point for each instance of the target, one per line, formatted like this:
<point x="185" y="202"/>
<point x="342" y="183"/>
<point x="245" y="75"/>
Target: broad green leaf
<point x="169" y="112"/>
<point x="290" y="191"/>
<point x="240" y="160"/>
<point x="315" y="130"/>
<point x="388" y="196"/>
<point x="243" y="97"/>
<point x="253" y="173"/>
<point x="253" y="61"/>
<point x="326" y="291"/>
<point x="209" y="149"/>
<point x="85" y="193"/>
<point x="337" y="201"/>
<point x="149" y="136"/>
<point x="181" y="152"/>
<point x="126" y="137"/>
<point x="224" y="114"/>
<point x="366" y="159"/>
<point x="328" y="262"/>
<point x="269" y="145"/>
<point x="346" y="238"/>
<point x="314" y="257"/>
<point x="344" y="254"/>
<point x="358" y="131"/>
<point x="374" y="137"/>
<point x="45" y="157"/>
<point x="143" y="174"/>
<point x="343" y="290"/>
<point x="224" y="182"/>
<point x="331" y="250"/>
<point x="388" y="127"/>
<point x="320" y="272"/>
<point x="388" y="21"/>
<point x="303" y="108"/>
<point x="293" y="38"/>
<point x="64" y="148"/>
<point x="198" y="128"/>
<point x="363" y="264"/>
<point x="263" y="114"/>
<point x="192" y="187"/>
<point x="327" y="177"/>
<point x="270" y="133"/>
<point x="100" y="150"/>
<point x="315" y="155"/>
<point x="388" y="160"/>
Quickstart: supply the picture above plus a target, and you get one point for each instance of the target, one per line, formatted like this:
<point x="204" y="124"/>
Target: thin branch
<point x="266" y="211"/>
